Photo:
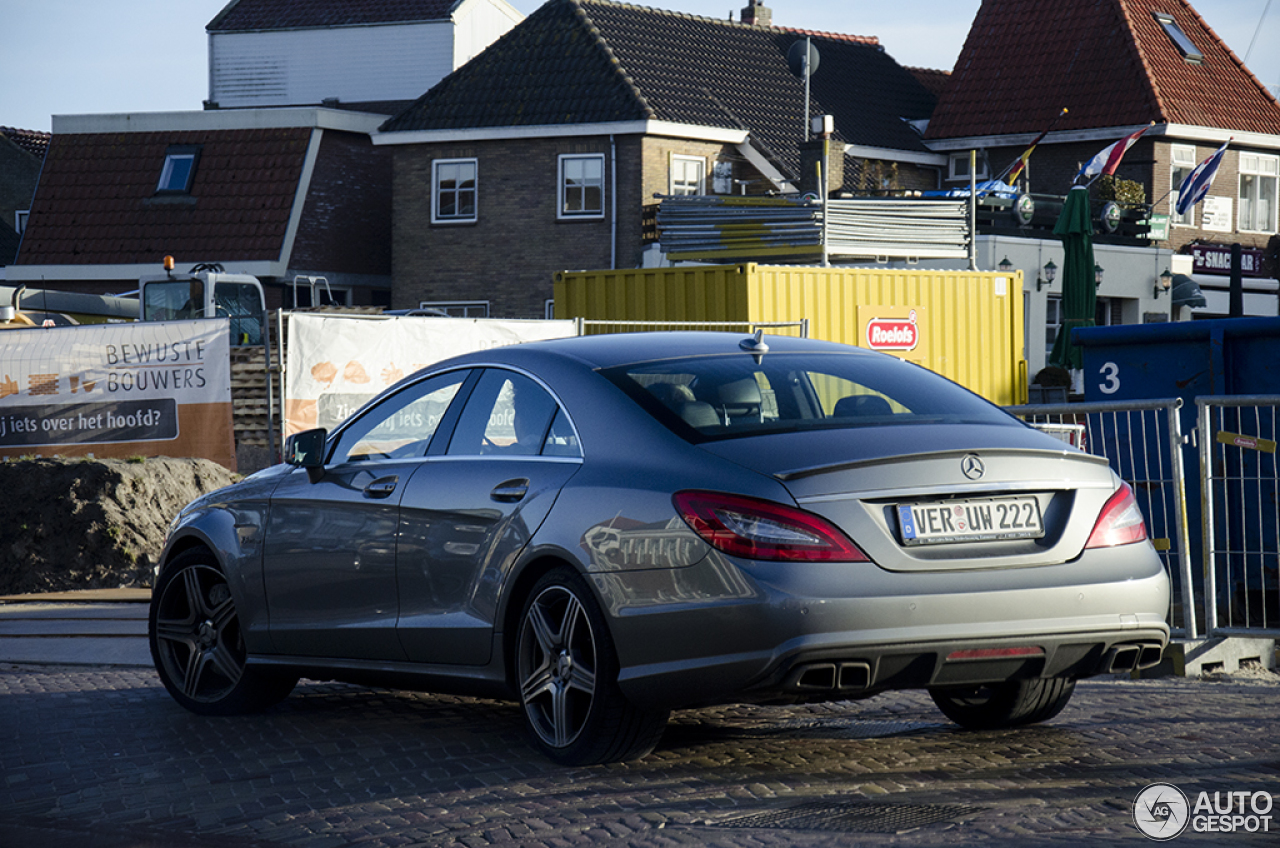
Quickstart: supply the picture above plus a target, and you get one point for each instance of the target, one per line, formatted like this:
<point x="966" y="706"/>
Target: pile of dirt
<point x="68" y="524"/>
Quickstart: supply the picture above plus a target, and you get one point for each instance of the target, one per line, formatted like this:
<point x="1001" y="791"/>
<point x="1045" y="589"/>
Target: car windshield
<point x="714" y="397"/>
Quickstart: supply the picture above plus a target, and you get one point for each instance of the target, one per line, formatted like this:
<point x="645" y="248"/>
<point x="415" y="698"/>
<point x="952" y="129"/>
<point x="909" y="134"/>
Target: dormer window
<point x="179" y="169"/>
<point x="1179" y="38"/>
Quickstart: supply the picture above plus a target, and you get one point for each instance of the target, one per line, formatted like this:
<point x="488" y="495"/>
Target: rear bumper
<point x="841" y="631"/>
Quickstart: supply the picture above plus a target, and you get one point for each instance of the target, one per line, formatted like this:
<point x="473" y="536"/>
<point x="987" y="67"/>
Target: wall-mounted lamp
<point x="1050" y="273"/>
<point x="1097" y="275"/>
<point x="1163" y="283"/>
<point x="1005" y="265"/>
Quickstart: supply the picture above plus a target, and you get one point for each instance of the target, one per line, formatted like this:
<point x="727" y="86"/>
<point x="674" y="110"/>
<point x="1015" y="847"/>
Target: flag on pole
<point x="1020" y="163"/>
<point x="1196" y="185"/>
<point x="1108" y="159"/>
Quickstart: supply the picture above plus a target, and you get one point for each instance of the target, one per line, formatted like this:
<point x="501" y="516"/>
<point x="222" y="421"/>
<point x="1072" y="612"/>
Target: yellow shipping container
<point x="964" y="325"/>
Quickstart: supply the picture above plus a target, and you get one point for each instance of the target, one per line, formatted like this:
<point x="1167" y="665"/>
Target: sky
<point x="72" y="57"/>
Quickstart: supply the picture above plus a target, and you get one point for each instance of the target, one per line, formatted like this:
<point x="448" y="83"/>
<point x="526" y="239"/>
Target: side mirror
<point x="306" y="450"/>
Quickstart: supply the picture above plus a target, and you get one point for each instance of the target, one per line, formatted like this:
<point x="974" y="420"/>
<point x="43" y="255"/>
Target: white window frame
<point x="1182" y="157"/>
<point x="679" y="184"/>
<point x="20" y="217"/>
<point x="437" y="217"/>
<point x="458" y="308"/>
<point x="1258" y="168"/>
<point x="959" y="166"/>
<point x="562" y="180"/>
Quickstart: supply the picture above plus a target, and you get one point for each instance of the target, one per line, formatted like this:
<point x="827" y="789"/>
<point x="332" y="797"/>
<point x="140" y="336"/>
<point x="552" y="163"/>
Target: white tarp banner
<point x="137" y="389"/>
<point x="337" y="362"/>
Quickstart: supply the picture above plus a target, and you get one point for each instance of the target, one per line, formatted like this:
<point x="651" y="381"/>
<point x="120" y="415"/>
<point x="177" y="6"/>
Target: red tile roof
<point x="250" y="15"/>
<point x="1110" y="62"/>
<point x="97" y="201"/>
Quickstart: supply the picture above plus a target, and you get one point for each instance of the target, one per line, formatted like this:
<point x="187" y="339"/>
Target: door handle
<point x="382" y="487"/>
<point x="510" y="491"/>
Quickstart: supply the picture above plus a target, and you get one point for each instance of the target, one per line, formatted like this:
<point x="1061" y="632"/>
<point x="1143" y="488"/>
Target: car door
<point x="330" y="552"/>
<point x="469" y="511"/>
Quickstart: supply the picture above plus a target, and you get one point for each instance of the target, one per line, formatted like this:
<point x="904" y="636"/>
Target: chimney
<point x="757" y="13"/>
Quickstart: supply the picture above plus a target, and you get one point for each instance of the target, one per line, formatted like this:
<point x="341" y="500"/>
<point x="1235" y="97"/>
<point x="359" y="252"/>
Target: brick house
<point x="1118" y="66"/>
<point x="548" y="150"/>
<point x="271" y="193"/>
<point x="278" y="176"/>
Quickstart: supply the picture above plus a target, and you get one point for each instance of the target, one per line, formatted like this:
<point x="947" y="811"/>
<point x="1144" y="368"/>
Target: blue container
<point x="1188" y="360"/>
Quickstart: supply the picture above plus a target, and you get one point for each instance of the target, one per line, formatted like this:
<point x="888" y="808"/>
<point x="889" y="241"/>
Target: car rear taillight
<point x="758" y="529"/>
<point x="1120" y="522"/>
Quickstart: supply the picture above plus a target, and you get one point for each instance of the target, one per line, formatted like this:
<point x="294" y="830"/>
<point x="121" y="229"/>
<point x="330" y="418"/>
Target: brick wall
<point x="346" y="220"/>
<point x="508" y="256"/>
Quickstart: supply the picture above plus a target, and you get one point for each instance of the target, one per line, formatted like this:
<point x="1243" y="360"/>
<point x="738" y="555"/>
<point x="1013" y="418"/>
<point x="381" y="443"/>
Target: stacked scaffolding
<point x="729" y="229"/>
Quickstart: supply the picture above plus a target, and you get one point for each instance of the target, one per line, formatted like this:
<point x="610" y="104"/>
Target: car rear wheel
<point x="1008" y="704"/>
<point x="568" y="670"/>
<point x="197" y="646"/>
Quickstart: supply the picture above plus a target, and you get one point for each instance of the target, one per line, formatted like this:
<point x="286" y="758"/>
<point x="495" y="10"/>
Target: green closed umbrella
<point x="1079" y="291"/>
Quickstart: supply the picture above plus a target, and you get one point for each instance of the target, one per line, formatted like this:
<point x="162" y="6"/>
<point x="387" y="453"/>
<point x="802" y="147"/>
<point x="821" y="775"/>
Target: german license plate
<point x="970" y="521"/>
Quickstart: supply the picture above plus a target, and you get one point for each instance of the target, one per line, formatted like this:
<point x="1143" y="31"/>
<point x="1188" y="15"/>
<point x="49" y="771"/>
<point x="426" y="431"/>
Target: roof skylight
<point x="1180" y="40"/>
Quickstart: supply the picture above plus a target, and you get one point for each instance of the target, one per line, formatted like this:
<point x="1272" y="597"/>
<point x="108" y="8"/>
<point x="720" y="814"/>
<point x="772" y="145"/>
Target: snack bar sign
<point x="118" y="390"/>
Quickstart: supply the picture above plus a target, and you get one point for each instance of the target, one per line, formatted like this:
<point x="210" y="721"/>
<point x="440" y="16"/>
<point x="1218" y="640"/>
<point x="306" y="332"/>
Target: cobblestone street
<point x="102" y="757"/>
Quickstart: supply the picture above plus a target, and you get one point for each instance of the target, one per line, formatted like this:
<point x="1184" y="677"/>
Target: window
<point x="453" y="191"/>
<point x="1106" y="312"/>
<point x="1182" y="162"/>
<point x="1258" y="177"/>
<point x="960" y="166"/>
<point x="716" y="397"/>
<point x="688" y="175"/>
<point x="458" y="308"/>
<point x="582" y="186"/>
<point x="508" y="414"/>
<point x="1188" y="50"/>
<point x="401" y="426"/>
<point x="20" y="217"/>
<point x="179" y="169"/>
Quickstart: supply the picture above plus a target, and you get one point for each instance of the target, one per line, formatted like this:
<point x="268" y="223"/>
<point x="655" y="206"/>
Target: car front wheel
<point x="567" y="672"/>
<point x="197" y="646"/>
<point x="1009" y="704"/>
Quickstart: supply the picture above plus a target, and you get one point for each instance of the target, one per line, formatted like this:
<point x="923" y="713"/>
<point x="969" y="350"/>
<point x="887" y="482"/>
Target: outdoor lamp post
<point x="1097" y="275"/>
<point x="1163" y="283"/>
<point x="1005" y="265"/>
<point x="1050" y="272"/>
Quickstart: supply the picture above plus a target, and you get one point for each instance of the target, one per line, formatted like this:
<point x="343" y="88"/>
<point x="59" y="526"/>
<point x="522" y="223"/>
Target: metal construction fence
<point x="1143" y="442"/>
<point x="1240" y="493"/>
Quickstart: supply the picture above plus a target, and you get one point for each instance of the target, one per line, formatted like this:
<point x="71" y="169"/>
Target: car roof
<point x="608" y="350"/>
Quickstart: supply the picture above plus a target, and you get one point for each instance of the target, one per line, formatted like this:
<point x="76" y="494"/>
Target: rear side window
<point x="509" y="414"/>
<point x="725" y="396"/>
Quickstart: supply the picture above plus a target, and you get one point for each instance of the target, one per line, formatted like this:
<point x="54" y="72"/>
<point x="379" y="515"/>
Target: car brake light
<point x="758" y="529"/>
<point x="1120" y="522"/>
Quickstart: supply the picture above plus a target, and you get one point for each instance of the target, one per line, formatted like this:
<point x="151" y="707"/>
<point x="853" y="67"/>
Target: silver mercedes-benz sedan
<point x="610" y="527"/>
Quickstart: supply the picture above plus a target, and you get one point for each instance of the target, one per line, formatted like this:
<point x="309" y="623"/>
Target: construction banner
<point x="336" y="363"/>
<point x="118" y="390"/>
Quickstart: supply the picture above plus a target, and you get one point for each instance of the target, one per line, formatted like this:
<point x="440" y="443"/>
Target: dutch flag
<point x="1197" y="183"/>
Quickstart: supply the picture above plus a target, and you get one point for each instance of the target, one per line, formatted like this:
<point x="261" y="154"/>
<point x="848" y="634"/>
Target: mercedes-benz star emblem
<point x="972" y="467"/>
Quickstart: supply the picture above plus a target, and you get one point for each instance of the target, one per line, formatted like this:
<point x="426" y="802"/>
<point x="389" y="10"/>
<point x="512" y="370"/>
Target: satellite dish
<point x="795" y="58"/>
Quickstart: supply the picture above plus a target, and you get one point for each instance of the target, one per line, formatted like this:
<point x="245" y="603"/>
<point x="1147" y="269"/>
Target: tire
<point x="567" y="675"/>
<point x="1009" y="704"/>
<point x="197" y="646"/>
